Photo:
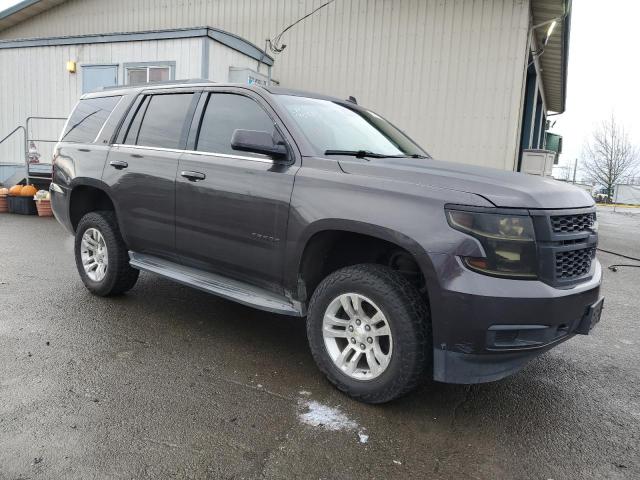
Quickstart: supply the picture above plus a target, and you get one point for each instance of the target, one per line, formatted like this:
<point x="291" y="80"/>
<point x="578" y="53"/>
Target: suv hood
<point x="502" y="188"/>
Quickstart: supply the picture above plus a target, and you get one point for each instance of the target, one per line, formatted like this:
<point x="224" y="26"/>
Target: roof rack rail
<point x="153" y="84"/>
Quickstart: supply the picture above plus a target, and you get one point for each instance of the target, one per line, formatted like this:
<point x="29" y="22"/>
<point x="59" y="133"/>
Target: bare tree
<point x="609" y="155"/>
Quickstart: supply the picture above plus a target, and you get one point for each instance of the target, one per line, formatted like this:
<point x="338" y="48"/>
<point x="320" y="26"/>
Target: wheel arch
<point x="320" y="239"/>
<point x="89" y="195"/>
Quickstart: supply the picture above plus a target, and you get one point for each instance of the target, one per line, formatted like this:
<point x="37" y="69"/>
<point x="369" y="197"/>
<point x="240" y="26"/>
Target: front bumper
<point x="486" y="328"/>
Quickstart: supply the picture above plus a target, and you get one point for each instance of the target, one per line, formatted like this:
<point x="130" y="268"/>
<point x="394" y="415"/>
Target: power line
<point x="275" y="46"/>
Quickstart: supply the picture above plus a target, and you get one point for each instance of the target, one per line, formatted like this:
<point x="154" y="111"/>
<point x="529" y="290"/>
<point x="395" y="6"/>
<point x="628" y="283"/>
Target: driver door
<point x="232" y="207"/>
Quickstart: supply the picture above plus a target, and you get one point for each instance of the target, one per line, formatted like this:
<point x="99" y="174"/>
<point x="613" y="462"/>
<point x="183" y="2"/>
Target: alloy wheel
<point x="357" y="336"/>
<point x="94" y="255"/>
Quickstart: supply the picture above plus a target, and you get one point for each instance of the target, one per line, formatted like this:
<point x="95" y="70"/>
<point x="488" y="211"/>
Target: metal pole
<point x="575" y="168"/>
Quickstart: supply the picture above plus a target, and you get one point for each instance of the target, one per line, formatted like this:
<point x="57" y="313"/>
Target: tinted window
<point x="88" y="118"/>
<point x="331" y="125"/>
<point x="134" y="125"/>
<point x="164" y="121"/>
<point x="224" y="114"/>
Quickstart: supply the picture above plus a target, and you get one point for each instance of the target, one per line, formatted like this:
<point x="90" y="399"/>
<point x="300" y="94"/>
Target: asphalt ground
<point x="169" y="382"/>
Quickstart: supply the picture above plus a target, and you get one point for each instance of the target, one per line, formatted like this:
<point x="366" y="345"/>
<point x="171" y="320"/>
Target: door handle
<point x="193" y="176"/>
<point x="118" y="164"/>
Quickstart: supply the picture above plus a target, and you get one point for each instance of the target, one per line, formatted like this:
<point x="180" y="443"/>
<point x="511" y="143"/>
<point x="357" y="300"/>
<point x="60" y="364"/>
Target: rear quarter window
<point x="88" y="118"/>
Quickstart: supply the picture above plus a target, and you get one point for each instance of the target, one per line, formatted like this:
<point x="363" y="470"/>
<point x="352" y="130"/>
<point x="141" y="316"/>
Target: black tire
<point x="120" y="276"/>
<point x="408" y="318"/>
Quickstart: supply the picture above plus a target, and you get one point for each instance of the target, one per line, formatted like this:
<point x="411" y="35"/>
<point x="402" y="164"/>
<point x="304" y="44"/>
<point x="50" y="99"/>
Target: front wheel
<point x="102" y="257"/>
<point x="369" y="332"/>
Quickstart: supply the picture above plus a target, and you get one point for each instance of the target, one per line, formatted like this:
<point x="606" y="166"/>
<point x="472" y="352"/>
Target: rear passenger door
<point x="231" y="219"/>
<point x="141" y="169"/>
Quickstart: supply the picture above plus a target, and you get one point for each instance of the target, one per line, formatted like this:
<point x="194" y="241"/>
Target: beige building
<point x="470" y="80"/>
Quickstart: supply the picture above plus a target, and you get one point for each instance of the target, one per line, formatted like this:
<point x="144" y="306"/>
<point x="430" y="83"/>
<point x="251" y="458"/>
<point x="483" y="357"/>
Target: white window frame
<point x="171" y="65"/>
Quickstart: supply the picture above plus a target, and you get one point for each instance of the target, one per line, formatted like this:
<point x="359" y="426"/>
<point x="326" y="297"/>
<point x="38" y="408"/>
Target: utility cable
<point x="614" y="268"/>
<point x="274" y="45"/>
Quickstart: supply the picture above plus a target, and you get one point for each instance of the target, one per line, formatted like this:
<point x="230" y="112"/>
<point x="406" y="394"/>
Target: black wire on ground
<point x="614" y="268"/>
<point x="619" y="254"/>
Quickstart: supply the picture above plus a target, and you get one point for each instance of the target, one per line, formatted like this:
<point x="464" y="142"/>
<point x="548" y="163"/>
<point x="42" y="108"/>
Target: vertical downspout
<point x="204" y="61"/>
<point x="517" y="160"/>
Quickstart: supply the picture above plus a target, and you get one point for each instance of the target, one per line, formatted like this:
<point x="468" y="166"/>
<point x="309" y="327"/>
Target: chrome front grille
<point x="573" y="223"/>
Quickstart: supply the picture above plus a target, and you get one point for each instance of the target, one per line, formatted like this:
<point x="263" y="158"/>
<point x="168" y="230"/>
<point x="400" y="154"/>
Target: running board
<point x="223" y="287"/>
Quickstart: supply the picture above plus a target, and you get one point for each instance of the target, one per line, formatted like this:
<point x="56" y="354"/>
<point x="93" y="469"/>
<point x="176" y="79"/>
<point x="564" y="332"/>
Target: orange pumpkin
<point x="4" y="191"/>
<point x="15" y="190"/>
<point x="28" y="191"/>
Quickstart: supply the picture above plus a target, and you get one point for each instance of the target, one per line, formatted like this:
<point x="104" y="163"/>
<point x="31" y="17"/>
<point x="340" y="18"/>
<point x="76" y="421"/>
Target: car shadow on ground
<point x="280" y="344"/>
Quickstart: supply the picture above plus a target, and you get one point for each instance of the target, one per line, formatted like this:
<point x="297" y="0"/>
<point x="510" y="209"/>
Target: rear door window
<point x="88" y="118"/>
<point x="225" y="113"/>
<point x="161" y="121"/>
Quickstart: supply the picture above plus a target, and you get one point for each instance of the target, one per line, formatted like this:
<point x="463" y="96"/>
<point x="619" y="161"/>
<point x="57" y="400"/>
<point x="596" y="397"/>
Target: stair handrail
<point x="24" y="143"/>
<point x="19" y="127"/>
<point x="27" y="139"/>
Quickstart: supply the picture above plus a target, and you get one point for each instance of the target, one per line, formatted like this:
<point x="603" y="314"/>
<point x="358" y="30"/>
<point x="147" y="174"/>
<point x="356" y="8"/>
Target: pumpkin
<point x="4" y="191"/>
<point x="15" y="190"/>
<point x="28" y="191"/>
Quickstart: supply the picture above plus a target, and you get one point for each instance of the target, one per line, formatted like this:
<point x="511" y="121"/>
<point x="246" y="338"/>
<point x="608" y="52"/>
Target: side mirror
<point x="257" y="142"/>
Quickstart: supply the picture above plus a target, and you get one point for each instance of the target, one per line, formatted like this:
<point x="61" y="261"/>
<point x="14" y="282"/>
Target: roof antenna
<point x="275" y="46"/>
<point x="352" y="99"/>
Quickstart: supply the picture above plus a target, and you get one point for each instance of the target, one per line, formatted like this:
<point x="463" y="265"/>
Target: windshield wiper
<point x="361" y="154"/>
<point x="417" y="155"/>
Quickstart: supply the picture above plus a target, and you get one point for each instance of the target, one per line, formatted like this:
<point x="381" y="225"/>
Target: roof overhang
<point x="24" y="10"/>
<point x="555" y="57"/>
<point x="228" y="39"/>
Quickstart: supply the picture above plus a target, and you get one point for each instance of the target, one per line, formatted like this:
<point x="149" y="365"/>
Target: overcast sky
<point x="604" y="70"/>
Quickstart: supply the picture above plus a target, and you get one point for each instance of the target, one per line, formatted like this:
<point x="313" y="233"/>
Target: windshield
<point x="334" y="127"/>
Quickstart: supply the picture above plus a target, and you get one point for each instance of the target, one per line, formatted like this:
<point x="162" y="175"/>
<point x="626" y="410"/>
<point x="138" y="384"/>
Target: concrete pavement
<point x="169" y="382"/>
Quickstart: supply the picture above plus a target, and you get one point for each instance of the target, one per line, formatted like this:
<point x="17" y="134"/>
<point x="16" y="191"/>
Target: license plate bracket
<point x="591" y="318"/>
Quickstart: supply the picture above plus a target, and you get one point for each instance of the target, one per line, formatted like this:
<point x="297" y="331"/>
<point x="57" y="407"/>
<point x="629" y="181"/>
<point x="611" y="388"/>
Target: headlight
<point x="508" y="241"/>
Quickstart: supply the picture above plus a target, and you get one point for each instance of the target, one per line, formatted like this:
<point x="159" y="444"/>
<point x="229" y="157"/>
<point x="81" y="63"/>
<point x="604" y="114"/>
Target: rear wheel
<point x="101" y="255"/>
<point x="369" y="332"/>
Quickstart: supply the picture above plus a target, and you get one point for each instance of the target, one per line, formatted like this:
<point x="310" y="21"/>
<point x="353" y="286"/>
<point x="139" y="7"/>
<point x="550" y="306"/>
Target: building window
<point x="141" y="73"/>
<point x="96" y="77"/>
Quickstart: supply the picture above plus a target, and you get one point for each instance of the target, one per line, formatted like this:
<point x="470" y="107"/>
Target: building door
<point x="141" y="171"/>
<point x="231" y="218"/>
<point x="95" y="77"/>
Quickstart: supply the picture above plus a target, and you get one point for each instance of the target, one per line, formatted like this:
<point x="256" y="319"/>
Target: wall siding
<point x="38" y="84"/>
<point x="448" y="72"/>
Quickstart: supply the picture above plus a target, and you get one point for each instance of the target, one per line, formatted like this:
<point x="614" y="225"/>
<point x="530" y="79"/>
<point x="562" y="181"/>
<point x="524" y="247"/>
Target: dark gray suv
<point x="405" y="268"/>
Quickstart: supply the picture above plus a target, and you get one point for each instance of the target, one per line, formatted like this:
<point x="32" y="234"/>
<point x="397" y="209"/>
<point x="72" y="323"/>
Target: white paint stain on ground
<point x="333" y="419"/>
<point x="319" y="415"/>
